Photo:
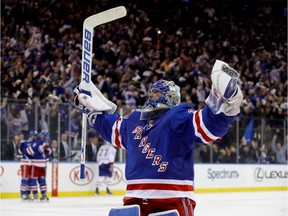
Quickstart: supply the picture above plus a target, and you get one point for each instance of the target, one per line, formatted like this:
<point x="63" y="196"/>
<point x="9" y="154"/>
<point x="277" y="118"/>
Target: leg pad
<point x="166" y="213"/>
<point x="131" y="210"/>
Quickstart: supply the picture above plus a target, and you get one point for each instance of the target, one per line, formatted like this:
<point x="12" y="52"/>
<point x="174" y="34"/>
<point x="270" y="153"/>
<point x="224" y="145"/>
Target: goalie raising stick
<point x="85" y="85"/>
<point x="160" y="138"/>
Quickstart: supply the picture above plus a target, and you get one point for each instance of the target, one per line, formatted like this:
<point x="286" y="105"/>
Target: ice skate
<point x="26" y="197"/>
<point x="97" y="191"/>
<point x="108" y="192"/>
<point x="44" y="198"/>
<point x="35" y="196"/>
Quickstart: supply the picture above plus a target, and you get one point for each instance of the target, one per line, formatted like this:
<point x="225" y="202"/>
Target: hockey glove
<point x="96" y="102"/>
<point x="225" y="95"/>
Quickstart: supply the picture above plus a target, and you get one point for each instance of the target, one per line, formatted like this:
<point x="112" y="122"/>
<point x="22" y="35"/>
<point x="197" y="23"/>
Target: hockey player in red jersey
<point x="160" y="137"/>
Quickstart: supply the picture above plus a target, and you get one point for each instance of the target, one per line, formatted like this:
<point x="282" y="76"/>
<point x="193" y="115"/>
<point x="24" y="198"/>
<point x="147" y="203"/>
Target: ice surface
<point x="208" y="204"/>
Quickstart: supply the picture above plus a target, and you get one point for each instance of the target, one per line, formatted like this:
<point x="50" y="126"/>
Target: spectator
<point x="76" y="131"/>
<point x="266" y="156"/>
<point x="131" y="96"/>
<point x="30" y="113"/>
<point x="91" y="147"/>
<point x="65" y="149"/>
<point x="245" y="154"/>
<point x="231" y="154"/>
<point x="215" y="153"/>
<point x="54" y="147"/>
<point x="205" y="154"/>
<point x="222" y="157"/>
<point x="279" y="150"/>
<point x="14" y="124"/>
<point x="11" y="150"/>
<point x="44" y="110"/>
<point x="53" y="126"/>
<point x="4" y="125"/>
<point x="24" y="121"/>
<point x="254" y="151"/>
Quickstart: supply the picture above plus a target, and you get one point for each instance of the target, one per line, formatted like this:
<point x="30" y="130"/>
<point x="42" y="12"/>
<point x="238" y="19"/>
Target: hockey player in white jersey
<point x="105" y="159"/>
<point x="160" y="138"/>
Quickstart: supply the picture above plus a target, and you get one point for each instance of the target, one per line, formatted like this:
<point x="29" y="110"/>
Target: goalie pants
<point x="184" y="206"/>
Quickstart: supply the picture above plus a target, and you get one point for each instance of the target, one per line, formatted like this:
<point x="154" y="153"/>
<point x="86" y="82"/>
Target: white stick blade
<point x="89" y="24"/>
<point x="106" y="16"/>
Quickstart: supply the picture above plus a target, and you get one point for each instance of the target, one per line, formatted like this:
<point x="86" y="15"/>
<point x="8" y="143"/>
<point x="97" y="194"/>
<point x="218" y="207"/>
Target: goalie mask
<point x="162" y="95"/>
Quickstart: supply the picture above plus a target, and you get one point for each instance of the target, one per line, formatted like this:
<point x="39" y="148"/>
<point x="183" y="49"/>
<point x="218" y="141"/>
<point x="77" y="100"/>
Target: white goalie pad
<point x="225" y="95"/>
<point x="97" y="101"/>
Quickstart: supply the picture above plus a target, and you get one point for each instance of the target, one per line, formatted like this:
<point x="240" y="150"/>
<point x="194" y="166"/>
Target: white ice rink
<point x="213" y="204"/>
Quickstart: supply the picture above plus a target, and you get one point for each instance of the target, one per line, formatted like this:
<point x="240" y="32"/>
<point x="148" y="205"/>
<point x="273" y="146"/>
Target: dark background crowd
<point x="179" y="40"/>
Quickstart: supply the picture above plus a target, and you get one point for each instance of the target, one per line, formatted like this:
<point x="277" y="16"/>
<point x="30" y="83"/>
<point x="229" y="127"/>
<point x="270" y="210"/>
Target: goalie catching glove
<point x="225" y="95"/>
<point x="96" y="102"/>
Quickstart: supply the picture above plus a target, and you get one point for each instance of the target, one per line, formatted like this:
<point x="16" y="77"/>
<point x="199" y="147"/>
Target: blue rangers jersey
<point x="41" y="153"/>
<point x="160" y="155"/>
<point x="26" y="151"/>
<point x="35" y="152"/>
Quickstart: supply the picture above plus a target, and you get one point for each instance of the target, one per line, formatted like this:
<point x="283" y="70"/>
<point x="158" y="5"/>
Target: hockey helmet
<point x="33" y="133"/>
<point x="43" y="135"/>
<point x="165" y="96"/>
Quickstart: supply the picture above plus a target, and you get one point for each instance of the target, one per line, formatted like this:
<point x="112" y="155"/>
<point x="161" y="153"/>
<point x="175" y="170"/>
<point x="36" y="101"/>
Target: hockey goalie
<point x="160" y="137"/>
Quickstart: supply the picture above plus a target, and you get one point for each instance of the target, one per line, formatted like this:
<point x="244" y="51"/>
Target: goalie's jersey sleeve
<point x="160" y="155"/>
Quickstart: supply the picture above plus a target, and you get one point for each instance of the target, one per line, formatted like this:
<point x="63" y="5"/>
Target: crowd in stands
<point x="41" y="43"/>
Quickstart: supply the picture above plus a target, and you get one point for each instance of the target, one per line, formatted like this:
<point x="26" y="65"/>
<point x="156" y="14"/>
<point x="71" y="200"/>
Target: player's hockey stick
<point x="87" y="45"/>
<point x="68" y="157"/>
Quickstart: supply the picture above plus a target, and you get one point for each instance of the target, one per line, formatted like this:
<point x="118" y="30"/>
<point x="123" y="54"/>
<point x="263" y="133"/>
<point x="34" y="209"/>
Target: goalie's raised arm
<point x="225" y="95"/>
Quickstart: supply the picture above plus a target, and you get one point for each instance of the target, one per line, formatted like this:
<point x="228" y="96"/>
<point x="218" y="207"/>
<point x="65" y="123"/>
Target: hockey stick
<point x="68" y="157"/>
<point x="87" y="45"/>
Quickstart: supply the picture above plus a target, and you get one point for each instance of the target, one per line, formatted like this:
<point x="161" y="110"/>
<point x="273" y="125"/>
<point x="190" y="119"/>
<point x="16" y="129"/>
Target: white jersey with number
<point x="106" y="154"/>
